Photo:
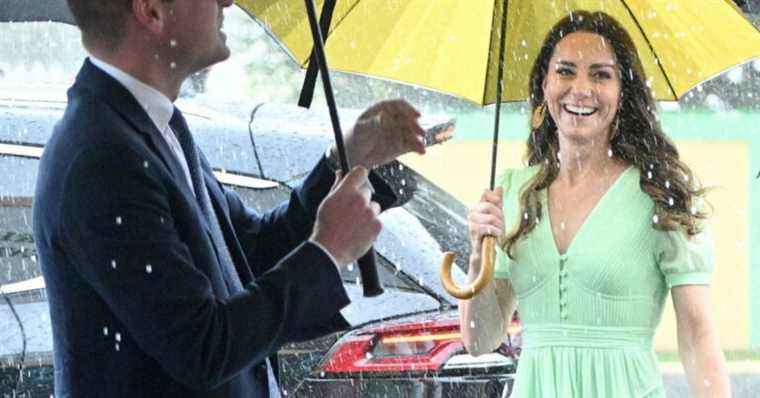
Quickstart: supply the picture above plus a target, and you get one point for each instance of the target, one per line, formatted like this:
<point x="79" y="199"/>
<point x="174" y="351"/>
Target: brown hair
<point x="639" y="139"/>
<point x="101" y="21"/>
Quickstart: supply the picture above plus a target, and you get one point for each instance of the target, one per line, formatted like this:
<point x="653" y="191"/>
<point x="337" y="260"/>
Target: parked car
<point x="405" y="343"/>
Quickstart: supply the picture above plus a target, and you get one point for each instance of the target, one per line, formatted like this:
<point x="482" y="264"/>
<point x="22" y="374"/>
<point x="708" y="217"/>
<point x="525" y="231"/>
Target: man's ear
<point x="152" y="15"/>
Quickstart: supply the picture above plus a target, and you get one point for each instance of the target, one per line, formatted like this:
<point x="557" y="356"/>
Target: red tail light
<point x="416" y="347"/>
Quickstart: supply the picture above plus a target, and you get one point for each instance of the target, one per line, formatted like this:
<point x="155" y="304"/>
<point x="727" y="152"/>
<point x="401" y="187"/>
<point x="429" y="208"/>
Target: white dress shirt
<point x="158" y="107"/>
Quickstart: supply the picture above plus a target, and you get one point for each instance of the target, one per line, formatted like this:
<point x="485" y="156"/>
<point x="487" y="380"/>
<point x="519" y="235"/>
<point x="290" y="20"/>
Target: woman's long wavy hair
<point x="638" y="138"/>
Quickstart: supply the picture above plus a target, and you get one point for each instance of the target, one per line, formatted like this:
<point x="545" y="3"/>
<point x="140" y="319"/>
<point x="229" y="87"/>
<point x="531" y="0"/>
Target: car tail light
<point x="415" y="347"/>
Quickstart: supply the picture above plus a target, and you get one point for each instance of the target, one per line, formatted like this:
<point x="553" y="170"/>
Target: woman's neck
<point x="587" y="160"/>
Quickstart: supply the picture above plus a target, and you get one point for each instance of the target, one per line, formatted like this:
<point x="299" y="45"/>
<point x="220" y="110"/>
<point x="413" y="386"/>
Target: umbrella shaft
<point x="319" y="52"/>
<point x="499" y="84"/>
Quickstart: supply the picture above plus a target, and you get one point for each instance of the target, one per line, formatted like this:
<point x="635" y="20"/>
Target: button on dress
<point x="589" y="315"/>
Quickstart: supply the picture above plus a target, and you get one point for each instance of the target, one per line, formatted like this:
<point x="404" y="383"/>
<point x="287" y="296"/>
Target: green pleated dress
<point x="589" y="315"/>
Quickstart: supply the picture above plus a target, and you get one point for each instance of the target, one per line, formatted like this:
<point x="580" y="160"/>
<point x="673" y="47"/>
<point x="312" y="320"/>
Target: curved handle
<point x="484" y="277"/>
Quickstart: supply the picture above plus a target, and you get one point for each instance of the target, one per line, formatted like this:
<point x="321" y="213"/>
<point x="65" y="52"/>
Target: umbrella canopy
<point x="452" y="46"/>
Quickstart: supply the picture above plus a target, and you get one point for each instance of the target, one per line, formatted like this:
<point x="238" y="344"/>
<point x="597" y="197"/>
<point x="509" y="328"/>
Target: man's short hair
<point x="101" y="21"/>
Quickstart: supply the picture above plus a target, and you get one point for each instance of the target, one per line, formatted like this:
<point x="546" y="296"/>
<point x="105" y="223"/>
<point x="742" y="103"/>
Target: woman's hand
<point x="485" y="219"/>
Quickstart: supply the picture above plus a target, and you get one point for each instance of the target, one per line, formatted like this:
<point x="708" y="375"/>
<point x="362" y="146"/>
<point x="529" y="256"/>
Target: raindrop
<point x="105" y="330"/>
<point x="118" y="220"/>
<point x="707" y="383"/>
<point x="148" y="268"/>
<point x="525" y="216"/>
<point x="609" y="152"/>
<point x="667" y="184"/>
<point x="162" y="220"/>
<point x="117" y="347"/>
<point x="117" y="337"/>
<point x="649" y="175"/>
<point x="322" y="374"/>
<point x="693" y="210"/>
<point x="172" y="43"/>
<point x="671" y="201"/>
<point x="145" y="164"/>
<point x="655" y="219"/>
<point x="524" y="43"/>
<point x="350" y="267"/>
<point x="562" y="225"/>
<point x="113" y="264"/>
<point x="173" y="65"/>
<point x="368" y="355"/>
<point x="472" y="324"/>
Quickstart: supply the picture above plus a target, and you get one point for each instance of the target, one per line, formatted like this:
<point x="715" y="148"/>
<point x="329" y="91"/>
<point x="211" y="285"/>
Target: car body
<point x="426" y="355"/>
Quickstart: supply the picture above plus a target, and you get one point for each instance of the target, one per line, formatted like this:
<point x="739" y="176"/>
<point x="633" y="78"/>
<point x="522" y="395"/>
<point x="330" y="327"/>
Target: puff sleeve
<point x="686" y="260"/>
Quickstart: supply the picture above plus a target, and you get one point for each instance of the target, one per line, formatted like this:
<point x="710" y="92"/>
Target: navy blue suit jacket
<point x="137" y="299"/>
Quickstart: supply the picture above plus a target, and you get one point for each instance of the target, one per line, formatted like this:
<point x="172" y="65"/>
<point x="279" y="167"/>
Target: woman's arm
<point x="485" y="317"/>
<point x="698" y="343"/>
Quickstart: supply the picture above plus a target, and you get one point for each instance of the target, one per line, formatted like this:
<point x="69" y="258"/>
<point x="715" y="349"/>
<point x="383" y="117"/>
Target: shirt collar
<point x="158" y="106"/>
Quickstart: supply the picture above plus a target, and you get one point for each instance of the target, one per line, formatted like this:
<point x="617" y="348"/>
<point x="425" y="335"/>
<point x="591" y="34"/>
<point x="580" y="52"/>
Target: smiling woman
<point x="596" y="231"/>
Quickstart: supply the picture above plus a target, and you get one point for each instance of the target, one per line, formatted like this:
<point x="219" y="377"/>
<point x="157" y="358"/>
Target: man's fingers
<point x="375" y="207"/>
<point x="356" y="177"/>
<point x="407" y="108"/>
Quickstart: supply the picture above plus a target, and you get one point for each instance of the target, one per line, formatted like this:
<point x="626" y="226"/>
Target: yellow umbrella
<point x="465" y="48"/>
<point x="452" y="45"/>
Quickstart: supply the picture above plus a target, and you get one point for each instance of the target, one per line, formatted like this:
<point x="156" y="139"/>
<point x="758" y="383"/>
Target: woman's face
<point x="582" y="87"/>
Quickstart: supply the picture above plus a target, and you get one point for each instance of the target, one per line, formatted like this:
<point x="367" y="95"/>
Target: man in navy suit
<point x="161" y="282"/>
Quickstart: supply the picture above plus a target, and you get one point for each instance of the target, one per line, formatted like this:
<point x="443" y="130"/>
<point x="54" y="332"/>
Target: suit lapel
<point x="110" y="91"/>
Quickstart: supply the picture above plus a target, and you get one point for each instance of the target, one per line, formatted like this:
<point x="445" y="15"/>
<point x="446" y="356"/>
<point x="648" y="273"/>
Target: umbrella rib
<point x="335" y="26"/>
<point x="651" y="48"/>
<point x="490" y="46"/>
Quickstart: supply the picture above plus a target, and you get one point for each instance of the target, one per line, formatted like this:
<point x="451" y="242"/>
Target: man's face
<point x="194" y="38"/>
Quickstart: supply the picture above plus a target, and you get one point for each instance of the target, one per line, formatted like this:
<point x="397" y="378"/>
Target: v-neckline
<point x="586" y="220"/>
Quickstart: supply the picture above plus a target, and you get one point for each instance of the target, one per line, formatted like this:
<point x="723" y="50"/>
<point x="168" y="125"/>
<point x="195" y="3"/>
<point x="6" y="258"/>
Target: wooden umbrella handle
<point x="484" y="277"/>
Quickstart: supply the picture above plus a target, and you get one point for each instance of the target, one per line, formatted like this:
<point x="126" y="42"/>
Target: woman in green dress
<point x="595" y="231"/>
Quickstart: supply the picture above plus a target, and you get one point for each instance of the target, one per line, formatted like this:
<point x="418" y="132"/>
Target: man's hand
<point x="347" y="220"/>
<point x="383" y="132"/>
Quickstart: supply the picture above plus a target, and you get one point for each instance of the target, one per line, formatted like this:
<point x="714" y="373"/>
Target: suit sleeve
<point x="119" y="231"/>
<point x="266" y="239"/>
